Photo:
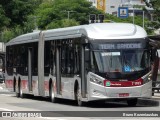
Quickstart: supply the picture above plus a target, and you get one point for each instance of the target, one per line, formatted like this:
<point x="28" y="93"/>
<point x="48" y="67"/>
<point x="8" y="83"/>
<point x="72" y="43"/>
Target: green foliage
<point x="155" y="4"/>
<point x="17" y="10"/>
<point x="23" y="16"/>
<point x="3" y="19"/>
<point x="13" y="16"/>
<point x="53" y="12"/>
<point x="62" y="23"/>
<point x="7" y="35"/>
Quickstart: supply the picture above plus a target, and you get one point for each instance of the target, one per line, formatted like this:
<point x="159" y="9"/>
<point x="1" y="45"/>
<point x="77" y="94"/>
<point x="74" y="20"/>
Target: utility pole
<point x="143" y="18"/>
<point x="69" y="13"/>
<point x="35" y="22"/>
<point x="133" y="14"/>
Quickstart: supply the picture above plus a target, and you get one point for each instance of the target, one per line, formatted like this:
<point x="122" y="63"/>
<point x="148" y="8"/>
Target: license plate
<point x="123" y="94"/>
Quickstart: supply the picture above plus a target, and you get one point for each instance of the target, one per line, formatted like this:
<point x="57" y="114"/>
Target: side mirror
<point x="87" y="59"/>
<point x="153" y="54"/>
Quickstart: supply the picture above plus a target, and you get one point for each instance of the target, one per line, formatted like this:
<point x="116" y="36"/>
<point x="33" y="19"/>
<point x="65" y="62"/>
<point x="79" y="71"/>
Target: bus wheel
<point x="18" y="92"/>
<point x="79" y="97"/>
<point x="21" y="94"/>
<point x="52" y="94"/>
<point x="132" y="102"/>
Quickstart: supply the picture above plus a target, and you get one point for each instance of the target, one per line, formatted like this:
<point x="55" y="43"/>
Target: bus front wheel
<point x="21" y="94"/>
<point x="79" y="97"/>
<point x="18" y="90"/>
<point x="52" y="95"/>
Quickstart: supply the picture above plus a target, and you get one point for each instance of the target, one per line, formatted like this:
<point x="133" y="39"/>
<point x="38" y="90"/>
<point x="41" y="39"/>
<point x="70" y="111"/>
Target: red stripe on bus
<point x="46" y="85"/>
<point x="24" y="84"/>
<point x="109" y="83"/>
<point x="9" y="83"/>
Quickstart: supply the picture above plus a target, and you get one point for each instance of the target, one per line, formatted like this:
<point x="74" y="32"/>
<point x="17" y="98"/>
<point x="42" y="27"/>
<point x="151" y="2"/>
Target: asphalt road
<point x="68" y="110"/>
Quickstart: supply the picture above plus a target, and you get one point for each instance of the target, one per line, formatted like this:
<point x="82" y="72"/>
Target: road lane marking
<point x="6" y="109"/>
<point x="7" y="94"/>
<point x="52" y="118"/>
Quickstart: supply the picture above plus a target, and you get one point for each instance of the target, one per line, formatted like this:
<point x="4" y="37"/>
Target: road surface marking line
<point x="6" y="109"/>
<point x="6" y="94"/>
<point x="52" y="118"/>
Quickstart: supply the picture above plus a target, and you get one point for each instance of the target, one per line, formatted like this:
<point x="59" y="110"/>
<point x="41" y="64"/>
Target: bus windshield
<point x="122" y="60"/>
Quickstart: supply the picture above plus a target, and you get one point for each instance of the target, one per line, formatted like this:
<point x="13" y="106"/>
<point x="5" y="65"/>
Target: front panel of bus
<point x="119" y="69"/>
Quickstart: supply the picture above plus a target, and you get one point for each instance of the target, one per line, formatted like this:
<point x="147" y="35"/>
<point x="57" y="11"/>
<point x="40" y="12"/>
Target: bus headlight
<point x="96" y="80"/>
<point x="147" y="78"/>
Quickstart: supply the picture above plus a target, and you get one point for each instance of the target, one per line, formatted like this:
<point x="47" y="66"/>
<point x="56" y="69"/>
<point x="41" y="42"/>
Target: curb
<point x="149" y="102"/>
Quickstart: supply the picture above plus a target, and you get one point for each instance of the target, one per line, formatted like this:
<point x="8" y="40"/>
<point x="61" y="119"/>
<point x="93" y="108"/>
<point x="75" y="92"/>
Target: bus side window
<point x="53" y="58"/>
<point x="71" y="58"/>
<point x="77" y="59"/>
<point x="47" y="58"/>
<point x="9" y="60"/>
<point x="67" y="58"/>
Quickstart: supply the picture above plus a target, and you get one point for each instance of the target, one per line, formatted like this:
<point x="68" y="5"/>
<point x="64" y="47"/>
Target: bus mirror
<point x="87" y="55"/>
<point x="153" y="54"/>
<point x="87" y="59"/>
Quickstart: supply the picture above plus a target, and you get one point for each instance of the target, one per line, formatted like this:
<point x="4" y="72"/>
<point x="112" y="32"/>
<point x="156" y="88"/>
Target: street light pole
<point x="133" y="15"/>
<point x="69" y="13"/>
<point x="35" y="22"/>
<point x="143" y="18"/>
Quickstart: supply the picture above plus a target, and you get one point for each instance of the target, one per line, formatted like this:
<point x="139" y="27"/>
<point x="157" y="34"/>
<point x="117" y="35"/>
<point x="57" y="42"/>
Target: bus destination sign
<point x="120" y="46"/>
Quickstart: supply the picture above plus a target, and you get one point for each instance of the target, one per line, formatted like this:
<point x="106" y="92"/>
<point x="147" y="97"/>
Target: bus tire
<point x="79" y="97"/>
<point x="14" y="85"/>
<point x="132" y="102"/>
<point x="52" y="94"/>
<point x="21" y="94"/>
<point x="18" y="92"/>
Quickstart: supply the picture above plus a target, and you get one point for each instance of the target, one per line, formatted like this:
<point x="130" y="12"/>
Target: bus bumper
<point x="98" y="92"/>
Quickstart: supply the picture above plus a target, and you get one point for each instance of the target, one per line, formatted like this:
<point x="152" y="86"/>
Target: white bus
<point x="92" y="62"/>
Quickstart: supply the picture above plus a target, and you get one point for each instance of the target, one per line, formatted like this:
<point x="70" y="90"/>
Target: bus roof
<point x="98" y="31"/>
<point x="26" y="38"/>
<point x="91" y="31"/>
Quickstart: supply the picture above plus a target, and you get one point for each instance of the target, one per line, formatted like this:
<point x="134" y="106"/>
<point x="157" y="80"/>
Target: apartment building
<point x="111" y="6"/>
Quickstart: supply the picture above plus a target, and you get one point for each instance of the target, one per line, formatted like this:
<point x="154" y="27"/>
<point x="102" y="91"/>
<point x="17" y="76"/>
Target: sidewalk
<point x="156" y="96"/>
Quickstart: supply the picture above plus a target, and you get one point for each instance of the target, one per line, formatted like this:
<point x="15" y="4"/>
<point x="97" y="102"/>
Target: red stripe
<point x="9" y="83"/>
<point x="46" y="85"/>
<point x="24" y="84"/>
<point x="109" y="83"/>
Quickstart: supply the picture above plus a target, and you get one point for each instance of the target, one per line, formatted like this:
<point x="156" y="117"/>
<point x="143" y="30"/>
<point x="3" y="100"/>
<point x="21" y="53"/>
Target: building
<point x="99" y="4"/>
<point x="111" y="6"/>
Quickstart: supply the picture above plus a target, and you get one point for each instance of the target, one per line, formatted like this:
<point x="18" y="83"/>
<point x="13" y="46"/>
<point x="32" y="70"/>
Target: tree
<point x="3" y="19"/>
<point x="18" y="10"/>
<point x="13" y="16"/>
<point x="54" y="12"/>
<point x="155" y="4"/>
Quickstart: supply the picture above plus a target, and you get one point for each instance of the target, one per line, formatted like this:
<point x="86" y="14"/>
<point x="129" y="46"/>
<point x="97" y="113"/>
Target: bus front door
<point x="30" y="69"/>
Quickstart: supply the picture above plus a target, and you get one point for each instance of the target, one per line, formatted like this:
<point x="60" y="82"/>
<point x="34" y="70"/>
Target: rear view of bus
<point x="120" y="63"/>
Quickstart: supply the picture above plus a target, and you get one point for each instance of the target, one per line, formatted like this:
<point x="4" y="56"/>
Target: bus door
<point x="84" y="57"/>
<point x="58" y="70"/>
<point x="30" y="69"/>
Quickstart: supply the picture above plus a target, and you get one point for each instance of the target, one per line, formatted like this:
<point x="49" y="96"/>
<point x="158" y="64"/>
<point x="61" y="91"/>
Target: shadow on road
<point x="99" y="104"/>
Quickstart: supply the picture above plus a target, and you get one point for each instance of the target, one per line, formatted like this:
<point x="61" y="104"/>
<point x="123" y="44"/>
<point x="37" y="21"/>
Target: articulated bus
<point x="95" y="62"/>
